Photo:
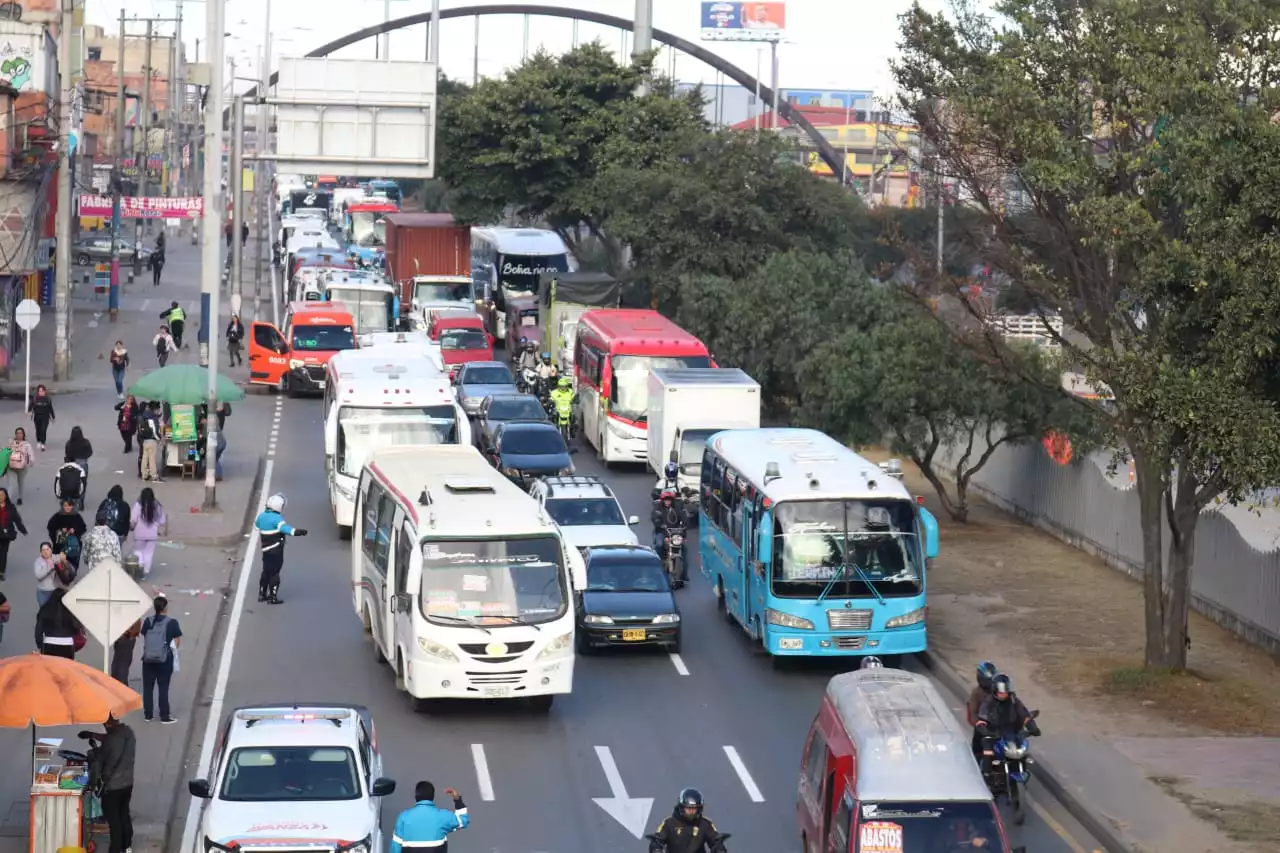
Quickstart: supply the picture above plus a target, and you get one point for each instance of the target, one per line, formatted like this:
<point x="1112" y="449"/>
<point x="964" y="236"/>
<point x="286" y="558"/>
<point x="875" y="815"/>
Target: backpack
<point x="155" y="641"/>
<point x="17" y="459"/>
<point x="69" y="481"/>
<point x="162" y="345"/>
<point x="147" y="428"/>
<point x="111" y="513"/>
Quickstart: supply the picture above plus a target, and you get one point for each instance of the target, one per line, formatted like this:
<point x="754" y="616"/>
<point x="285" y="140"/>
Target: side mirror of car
<point x="383" y="787"/>
<point x="635" y="519"/>
<point x="199" y="788"/>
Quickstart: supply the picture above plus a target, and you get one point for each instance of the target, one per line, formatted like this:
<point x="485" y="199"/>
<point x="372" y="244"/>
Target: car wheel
<point x="82" y="259"/>
<point x="542" y="704"/>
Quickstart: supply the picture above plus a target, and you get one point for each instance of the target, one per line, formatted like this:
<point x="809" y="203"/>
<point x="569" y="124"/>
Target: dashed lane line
<point x="678" y="663"/>
<point x="484" y="782"/>
<point x="744" y="775"/>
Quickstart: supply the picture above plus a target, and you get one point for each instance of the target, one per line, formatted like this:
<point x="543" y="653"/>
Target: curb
<point x="217" y="639"/>
<point x="1099" y="828"/>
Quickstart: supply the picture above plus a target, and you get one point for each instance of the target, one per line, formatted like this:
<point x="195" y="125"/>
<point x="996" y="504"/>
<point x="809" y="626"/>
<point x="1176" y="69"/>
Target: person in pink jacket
<point x="147" y="523"/>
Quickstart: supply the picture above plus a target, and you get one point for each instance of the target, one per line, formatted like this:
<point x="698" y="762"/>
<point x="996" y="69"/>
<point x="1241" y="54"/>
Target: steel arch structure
<point x="825" y="149"/>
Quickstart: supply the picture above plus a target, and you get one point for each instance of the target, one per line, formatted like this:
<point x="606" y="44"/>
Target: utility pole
<point x="62" y="263"/>
<point x="434" y="40"/>
<point x="117" y="182"/>
<point x="144" y="159"/>
<point x="211" y="269"/>
<point x="176" y="100"/>
<point x="237" y="204"/>
<point x="262" y="169"/>
<point x="643" y="35"/>
<point x="777" y="96"/>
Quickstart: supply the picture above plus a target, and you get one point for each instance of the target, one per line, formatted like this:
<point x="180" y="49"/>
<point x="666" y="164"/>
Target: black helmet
<point x="986" y="671"/>
<point x="1002" y="684"/>
<point x="690" y="798"/>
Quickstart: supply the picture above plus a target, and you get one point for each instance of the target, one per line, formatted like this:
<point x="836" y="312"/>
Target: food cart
<point x="181" y="446"/>
<point x="57" y="797"/>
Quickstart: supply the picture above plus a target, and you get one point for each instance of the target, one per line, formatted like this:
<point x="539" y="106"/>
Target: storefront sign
<point x="150" y="207"/>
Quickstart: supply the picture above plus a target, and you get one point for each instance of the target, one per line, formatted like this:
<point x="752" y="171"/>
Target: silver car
<point x="479" y="379"/>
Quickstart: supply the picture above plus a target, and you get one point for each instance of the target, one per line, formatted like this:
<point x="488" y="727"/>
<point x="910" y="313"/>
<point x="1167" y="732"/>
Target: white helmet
<point x="276" y="502"/>
<point x="871" y="662"/>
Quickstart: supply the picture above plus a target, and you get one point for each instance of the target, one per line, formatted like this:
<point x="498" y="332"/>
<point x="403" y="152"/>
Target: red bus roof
<point x="640" y="331"/>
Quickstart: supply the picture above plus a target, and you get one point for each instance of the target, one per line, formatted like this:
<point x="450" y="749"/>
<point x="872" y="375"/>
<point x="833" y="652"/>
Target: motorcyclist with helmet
<point x="686" y="830"/>
<point x="1002" y="715"/>
<point x="871" y="662"/>
<point x="527" y="356"/>
<point x="563" y="399"/>
<point x="666" y="516"/>
<point x="979" y="694"/>
<point x="543" y="366"/>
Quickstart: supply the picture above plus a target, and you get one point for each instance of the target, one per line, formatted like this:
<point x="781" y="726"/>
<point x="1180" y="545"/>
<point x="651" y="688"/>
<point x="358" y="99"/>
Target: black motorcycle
<point x="655" y="841"/>
<point x="1009" y="766"/>
<point x="673" y="556"/>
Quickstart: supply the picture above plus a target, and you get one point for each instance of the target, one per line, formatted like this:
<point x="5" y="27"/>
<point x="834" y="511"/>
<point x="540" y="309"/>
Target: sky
<point x="829" y="44"/>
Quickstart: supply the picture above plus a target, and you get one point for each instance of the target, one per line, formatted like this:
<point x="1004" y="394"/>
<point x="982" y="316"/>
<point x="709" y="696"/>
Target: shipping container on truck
<point x="426" y="245"/>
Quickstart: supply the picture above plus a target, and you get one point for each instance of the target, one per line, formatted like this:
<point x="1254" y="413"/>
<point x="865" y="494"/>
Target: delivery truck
<point x="563" y="297"/>
<point x="429" y="261"/>
<point x="686" y="406"/>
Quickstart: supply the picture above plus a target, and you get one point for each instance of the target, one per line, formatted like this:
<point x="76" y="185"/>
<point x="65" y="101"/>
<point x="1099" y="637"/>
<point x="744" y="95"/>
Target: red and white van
<point x="888" y="768"/>
<point x="462" y="339"/>
<point x="294" y="359"/>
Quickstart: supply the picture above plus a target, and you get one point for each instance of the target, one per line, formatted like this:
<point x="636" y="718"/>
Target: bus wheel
<point x="724" y="602"/>
<point x="400" y="679"/>
<point x="542" y="704"/>
<point x="344" y="532"/>
<point x="365" y="622"/>
<point x="427" y="706"/>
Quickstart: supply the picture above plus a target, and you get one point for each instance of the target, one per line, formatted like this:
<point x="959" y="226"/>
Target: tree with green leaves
<point x="1125" y="157"/>
<point x="897" y="375"/>
<point x="533" y="141"/>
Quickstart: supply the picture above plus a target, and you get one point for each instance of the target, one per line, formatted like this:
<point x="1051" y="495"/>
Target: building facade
<point x="102" y="80"/>
<point x="729" y="104"/>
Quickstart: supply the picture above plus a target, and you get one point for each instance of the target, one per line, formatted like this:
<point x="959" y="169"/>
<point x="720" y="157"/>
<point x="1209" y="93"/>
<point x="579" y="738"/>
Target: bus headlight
<point x="557" y="647"/>
<point x="436" y="650"/>
<point x="666" y="619"/>
<point x="915" y="617"/>
<point x="597" y="620"/>
<point x="786" y="620"/>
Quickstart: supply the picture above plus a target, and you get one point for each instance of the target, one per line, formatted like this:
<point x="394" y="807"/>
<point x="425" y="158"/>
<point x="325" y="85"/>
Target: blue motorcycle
<point x="1009" y="767"/>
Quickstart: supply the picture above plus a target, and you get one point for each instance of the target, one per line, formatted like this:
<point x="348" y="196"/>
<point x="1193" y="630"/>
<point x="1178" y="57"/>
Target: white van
<point x="462" y="579"/>
<point x="375" y="399"/>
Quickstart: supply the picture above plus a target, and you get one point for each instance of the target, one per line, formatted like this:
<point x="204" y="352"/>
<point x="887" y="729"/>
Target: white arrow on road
<point x="631" y="812"/>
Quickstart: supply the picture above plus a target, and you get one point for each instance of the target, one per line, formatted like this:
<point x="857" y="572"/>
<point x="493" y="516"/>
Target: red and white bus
<point x="614" y="351"/>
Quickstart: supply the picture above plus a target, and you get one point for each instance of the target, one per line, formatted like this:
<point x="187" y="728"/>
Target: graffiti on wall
<point x="17" y="65"/>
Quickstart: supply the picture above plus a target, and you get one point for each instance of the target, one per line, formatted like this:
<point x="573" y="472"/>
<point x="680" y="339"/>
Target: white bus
<point x="508" y="261"/>
<point x="372" y="300"/>
<point x="378" y="398"/>
<point x="463" y="579"/>
<point x="416" y="343"/>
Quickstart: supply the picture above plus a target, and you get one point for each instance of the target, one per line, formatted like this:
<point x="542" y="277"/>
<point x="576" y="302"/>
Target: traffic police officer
<point x="176" y="319"/>
<point x="272" y="530"/>
<point x="427" y="827"/>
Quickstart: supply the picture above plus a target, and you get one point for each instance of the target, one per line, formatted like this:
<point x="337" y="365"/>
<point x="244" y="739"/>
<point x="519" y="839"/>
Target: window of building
<point x="95" y="54"/>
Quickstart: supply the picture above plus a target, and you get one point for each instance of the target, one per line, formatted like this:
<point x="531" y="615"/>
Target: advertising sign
<point x="743" y="21"/>
<point x="150" y="207"/>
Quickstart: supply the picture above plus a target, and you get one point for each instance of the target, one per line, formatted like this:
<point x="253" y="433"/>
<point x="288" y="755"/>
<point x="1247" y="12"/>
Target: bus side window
<point x="842" y="823"/>
<point x="404" y="551"/>
<point x="372" y="497"/>
<point x="815" y="761"/>
<point x="717" y="494"/>
<point x="733" y="507"/>
<point x="382" y="547"/>
<point x="595" y="367"/>
<point x="708" y="467"/>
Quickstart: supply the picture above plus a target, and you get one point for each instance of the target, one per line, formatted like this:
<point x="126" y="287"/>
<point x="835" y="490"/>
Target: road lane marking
<point x="192" y="826"/>
<point x="678" y="663"/>
<point x="744" y="775"/>
<point x="483" y="780"/>
<point x="1058" y="829"/>
<point x="631" y="812"/>
<point x="146" y="305"/>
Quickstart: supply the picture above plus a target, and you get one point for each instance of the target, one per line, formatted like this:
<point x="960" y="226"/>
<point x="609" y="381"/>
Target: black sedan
<point x="627" y="601"/>
<point x="501" y="408"/>
<point x="527" y="450"/>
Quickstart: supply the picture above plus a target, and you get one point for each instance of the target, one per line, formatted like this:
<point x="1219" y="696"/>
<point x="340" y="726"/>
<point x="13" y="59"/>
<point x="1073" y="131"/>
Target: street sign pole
<point x="27" y="316"/>
<point x="107" y="601"/>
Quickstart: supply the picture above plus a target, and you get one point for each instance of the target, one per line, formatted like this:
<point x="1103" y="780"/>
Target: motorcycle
<point x="656" y="841"/>
<point x="1010" y="768"/>
<point x="673" y="556"/>
<point x="528" y="383"/>
<point x="688" y="499"/>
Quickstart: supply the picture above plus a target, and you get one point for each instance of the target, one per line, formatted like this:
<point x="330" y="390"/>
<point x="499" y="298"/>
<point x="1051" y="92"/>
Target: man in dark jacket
<point x="112" y="774"/>
<point x="687" y="831"/>
<point x="1003" y="715"/>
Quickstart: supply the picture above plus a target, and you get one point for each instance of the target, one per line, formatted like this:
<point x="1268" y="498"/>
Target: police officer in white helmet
<point x="272" y="530"/>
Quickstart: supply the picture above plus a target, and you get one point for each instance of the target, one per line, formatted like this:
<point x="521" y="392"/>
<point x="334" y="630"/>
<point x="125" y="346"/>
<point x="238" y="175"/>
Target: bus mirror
<point x="930" y="525"/>
<point x="401" y="602"/>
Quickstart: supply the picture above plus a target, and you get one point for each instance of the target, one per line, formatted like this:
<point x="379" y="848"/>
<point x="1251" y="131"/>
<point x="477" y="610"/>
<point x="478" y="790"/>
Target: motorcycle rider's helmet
<point x="986" y="671"/>
<point x="566" y="382"/>
<point x="671" y="471"/>
<point x="1002" y="687"/>
<point x="524" y="342"/>
<point x="690" y="804"/>
<point x="871" y="662"/>
<point x="667" y="496"/>
<point x="546" y="358"/>
<point x="276" y="502"/>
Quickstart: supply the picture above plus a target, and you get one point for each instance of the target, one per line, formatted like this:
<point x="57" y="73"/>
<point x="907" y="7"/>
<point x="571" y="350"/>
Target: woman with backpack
<point x="148" y="522"/>
<point x="163" y="342"/>
<point x="101" y="543"/>
<point x="58" y="631"/>
<point x="10" y="526"/>
<point x="127" y="421"/>
<point x="22" y="457"/>
<point x="117" y="512"/>
<point x="161" y="637"/>
<point x="78" y="450"/>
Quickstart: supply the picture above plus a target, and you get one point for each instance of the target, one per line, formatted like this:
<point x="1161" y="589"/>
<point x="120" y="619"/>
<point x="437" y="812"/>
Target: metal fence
<point x="1232" y="583"/>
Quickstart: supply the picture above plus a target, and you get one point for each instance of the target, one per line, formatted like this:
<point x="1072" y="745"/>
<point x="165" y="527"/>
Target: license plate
<point x="633" y="634"/>
<point x="497" y="692"/>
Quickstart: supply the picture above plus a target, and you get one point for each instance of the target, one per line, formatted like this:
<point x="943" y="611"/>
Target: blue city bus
<point x="389" y="190"/>
<point x="811" y="548"/>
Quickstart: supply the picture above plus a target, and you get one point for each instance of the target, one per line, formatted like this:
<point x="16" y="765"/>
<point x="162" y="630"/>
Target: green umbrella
<point x="183" y="385"/>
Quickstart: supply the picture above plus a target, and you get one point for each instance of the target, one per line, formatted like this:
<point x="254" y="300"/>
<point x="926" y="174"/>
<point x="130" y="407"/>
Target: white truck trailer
<point x="688" y="404"/>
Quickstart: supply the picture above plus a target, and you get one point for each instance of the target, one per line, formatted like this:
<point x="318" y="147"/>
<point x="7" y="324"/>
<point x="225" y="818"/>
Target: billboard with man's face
<point x="743" y="21"/>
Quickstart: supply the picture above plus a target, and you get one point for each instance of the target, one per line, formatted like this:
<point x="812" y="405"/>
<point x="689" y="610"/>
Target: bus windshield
<point x="368" y="228"/>
<point x="323" y="338"/>
<point x="493" y="582"/>
<point x="372" y="310"/>
<point x="630" y="393"/>
<point x="364" y="429"/>
<point x="845" y="549"/>
<point x="519" y="273"/>
<point x="926" y="827"/>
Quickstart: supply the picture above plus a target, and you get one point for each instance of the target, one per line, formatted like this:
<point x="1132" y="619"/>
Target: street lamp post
<point x="211" y="256"/>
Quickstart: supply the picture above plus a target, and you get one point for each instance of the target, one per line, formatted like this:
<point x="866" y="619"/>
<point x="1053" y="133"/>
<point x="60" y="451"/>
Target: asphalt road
<point x="720" y="717"/>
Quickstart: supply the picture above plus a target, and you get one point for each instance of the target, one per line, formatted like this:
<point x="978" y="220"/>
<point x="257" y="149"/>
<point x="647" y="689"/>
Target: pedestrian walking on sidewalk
<point x="21" y="457"/>
<point x="119" y="514"/>
<point x="176" y="319"/>
<point x="165" y="345"/>
<point x="157" y="260"/>
<point x="112" y="775"/>
<point x="10" y="526"/>
<point x="119" y="364"/>
<point x="149" y="445"/>
<point x="41" y="411"/>
<point x="161" y="638"/>
<point x="79" y="450"/>
<point x="148" y="522"/>
<point x="235" y="339"/>
<point x="127" y="421"/>
<point x="66" y="529"/>
<point x="101" y="543"/>
<point x="122" y="652"/>
<point x="47" y="576"/>
<point x="58" y="631"/>
<point x="69" y="483"/>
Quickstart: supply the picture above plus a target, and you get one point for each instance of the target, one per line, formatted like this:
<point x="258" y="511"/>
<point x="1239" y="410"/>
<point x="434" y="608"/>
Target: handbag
<point x="66" y="572"/>
<point x="79" y="640"/>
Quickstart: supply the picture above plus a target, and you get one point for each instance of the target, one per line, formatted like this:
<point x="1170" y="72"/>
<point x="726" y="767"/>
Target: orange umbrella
<point x="51" y="691"/>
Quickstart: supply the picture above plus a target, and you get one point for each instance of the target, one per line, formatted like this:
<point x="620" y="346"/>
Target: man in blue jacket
<point x="272" y="530"/>
<point x="426" y="827"/>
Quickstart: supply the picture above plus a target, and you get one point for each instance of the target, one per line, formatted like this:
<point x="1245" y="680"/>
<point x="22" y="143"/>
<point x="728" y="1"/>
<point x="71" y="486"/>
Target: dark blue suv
<point x="525" y="450"/>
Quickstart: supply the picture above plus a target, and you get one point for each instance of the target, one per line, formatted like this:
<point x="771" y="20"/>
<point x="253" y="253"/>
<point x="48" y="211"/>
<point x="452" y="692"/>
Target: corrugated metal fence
<point x="1233" y="584"/>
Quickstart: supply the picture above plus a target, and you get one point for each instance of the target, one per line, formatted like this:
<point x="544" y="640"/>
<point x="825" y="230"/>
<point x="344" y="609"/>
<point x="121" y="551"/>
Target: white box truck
<point x="688" y="404"/>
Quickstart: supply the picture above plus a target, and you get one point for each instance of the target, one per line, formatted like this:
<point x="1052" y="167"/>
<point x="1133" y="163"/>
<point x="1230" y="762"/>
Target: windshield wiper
<point x="459" y="619"/>
<point x="515" y="620"/>
<point x="862" y="576"/>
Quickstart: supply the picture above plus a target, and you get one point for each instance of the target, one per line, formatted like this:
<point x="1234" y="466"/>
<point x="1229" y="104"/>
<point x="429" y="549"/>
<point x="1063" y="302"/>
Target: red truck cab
<point x="293" y="360"/>
<point x="462" y="339"/>
<point x="888" y="768"/>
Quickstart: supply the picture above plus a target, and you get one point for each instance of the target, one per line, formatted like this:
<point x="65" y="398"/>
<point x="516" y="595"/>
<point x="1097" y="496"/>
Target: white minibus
<point x="462" y="579"/>
<point x="379" y="398"/>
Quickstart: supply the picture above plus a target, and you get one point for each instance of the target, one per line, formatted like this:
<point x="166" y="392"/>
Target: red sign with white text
<point x="149" y="207"/>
